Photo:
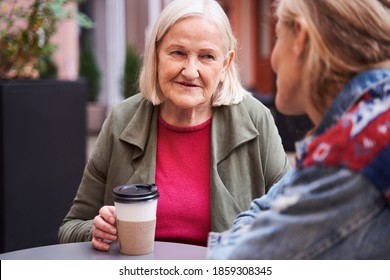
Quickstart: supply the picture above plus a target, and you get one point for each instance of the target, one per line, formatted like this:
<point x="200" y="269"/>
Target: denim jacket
<point x="335" y="204"/>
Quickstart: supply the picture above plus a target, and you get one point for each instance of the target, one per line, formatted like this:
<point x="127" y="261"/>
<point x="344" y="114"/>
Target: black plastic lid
<point x="135" y="193"/>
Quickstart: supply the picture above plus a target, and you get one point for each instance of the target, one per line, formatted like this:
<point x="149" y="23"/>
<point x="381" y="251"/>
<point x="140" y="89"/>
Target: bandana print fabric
<point x="359" y="140"/>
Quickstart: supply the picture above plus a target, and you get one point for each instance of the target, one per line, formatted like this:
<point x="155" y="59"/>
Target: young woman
<point x="332" y="62"/>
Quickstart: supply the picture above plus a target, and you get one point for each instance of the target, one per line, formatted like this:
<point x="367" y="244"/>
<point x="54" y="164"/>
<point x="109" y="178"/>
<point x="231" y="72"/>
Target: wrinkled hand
<point x="104" y="228"/>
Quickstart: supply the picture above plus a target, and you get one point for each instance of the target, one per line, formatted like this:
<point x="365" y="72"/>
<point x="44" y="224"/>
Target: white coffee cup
<point x="136" y="206"/>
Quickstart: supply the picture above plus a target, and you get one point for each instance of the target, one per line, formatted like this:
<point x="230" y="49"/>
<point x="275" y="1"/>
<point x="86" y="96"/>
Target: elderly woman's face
<point x="191" y="63"/>
<point x="286" y="63"/>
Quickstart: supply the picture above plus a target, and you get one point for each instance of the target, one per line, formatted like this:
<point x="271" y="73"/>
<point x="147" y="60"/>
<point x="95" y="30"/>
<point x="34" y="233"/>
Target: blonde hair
<point x="231" y="90"/>
<point x="344" y="38"/>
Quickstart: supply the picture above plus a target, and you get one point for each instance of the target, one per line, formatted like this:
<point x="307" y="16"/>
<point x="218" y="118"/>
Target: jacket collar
<point x="231" y="123"/>
<point x="142" y="126"/>
<point x="231" y="127"/>
<point x="349" y="95"/>
<point x="352" y="92"/>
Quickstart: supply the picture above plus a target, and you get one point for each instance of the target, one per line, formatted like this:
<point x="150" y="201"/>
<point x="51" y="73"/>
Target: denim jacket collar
<point x="352" y="92"/>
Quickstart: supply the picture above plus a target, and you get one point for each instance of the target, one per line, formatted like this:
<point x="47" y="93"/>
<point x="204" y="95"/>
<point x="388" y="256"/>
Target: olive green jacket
<point x="247" y="158"/>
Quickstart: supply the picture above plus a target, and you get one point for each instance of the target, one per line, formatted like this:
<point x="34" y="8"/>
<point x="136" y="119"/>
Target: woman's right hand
<point x="104" y="228"/>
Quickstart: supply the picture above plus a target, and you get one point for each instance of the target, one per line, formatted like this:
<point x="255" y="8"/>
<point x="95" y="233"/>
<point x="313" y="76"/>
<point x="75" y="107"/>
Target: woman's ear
<point x="228" y="61"/>
<point x="301" y="36"/>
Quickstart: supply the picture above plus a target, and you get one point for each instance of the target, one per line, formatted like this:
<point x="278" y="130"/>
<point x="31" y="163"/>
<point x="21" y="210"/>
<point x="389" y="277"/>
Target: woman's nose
<point x="190" y="70"/>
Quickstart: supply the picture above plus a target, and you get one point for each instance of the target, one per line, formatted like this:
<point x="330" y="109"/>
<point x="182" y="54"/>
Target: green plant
<point x="89" y="69"/>
<point x="131" y="71"/>
<point x="25" y="31"/>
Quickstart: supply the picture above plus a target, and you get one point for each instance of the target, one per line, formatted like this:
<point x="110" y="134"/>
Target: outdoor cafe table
<point x="84" y="251"/>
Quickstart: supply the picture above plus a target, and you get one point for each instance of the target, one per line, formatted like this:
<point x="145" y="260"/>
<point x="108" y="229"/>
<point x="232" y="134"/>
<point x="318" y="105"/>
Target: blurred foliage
<point x="25" y="31"/>
<point x="131" y="72"/>
<point x="89" y="69"/>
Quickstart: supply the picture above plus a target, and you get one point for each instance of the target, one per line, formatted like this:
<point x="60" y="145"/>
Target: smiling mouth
<point x="187" y="84"/>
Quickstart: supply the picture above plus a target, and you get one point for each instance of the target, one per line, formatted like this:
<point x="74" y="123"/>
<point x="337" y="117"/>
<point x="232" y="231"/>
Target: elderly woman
<point x="209" y="146"/>
<point x="332" y="60"/>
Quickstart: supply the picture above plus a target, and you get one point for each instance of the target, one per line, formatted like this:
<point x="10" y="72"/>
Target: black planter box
<point x="42" y="156"/>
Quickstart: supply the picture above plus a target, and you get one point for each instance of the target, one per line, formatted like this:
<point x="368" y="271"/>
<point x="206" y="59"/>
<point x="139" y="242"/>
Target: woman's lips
<point x="187" y="84"/>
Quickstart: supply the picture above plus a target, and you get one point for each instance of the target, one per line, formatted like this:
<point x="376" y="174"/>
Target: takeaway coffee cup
<point x="136" y="206"/>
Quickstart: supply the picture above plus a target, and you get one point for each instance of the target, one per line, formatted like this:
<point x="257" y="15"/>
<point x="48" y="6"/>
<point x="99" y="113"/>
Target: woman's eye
<point x="208" y="56"/>
<point x="177" y="53"/>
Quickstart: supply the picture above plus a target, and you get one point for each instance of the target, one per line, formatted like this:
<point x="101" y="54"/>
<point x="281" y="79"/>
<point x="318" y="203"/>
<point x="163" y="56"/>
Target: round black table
<point x="84" y="251"/>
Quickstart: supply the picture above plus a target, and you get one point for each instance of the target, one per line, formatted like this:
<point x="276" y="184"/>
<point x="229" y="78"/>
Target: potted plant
<point x="89" y="69"/>
<point x="42" y="124"/>
<point x="27" y="26"/>
<point x="131" y="72"/>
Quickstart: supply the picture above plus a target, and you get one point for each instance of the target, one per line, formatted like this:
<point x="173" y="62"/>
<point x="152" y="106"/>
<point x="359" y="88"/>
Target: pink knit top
<point x="183" y="181"/>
